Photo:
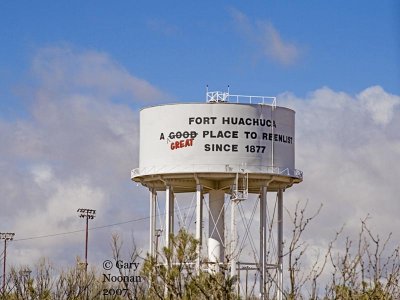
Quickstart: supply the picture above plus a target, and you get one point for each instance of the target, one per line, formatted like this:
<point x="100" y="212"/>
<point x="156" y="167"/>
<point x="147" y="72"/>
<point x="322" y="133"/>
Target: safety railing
<point x="215" y="168"/>
<point x="217" y="96"/>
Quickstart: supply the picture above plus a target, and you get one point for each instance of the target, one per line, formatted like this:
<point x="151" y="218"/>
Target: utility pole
<point x="88" y="214"/>
<point x="6" y="236"/>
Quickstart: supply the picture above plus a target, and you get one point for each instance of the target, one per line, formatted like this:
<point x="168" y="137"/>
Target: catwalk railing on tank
<point x="216" y="168"/>
<point x="217" y="96"/>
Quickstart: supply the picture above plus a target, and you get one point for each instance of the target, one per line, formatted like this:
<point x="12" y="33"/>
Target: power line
<point x="92" y="228"/>
<point x="48" y="235"/>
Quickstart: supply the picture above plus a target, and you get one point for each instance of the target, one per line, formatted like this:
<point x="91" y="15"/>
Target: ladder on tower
<point x="241" y="187"/>
<point x="240" y="192"/>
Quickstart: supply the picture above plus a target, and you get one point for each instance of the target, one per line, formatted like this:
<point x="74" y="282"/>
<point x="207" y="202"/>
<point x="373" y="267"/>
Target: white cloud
<point x="349" y="151"/>
<point x="275" y="47"/>
<point x="75" y="150"/>
<point x="348" y="158"/>
<point x="42" y="174"/>
<point x="264" y="35"/>
<point x="62" y="69"/>
<point x="379" y="104"/>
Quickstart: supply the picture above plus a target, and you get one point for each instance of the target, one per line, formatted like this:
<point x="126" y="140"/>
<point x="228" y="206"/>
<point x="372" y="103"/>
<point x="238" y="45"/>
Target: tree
<point x="366" y="271"/>
<point x="365" y="268"/>
<point x="176" y="278"/>
<point x="44" y="284"/>
<point x="135" y="290"/>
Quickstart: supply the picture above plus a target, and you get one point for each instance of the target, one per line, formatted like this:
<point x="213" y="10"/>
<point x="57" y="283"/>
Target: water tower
<point x="230" y="146"/>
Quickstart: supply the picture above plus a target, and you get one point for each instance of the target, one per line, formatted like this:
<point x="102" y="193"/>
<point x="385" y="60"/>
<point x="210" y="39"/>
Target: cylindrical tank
<point x="218" y="137"/>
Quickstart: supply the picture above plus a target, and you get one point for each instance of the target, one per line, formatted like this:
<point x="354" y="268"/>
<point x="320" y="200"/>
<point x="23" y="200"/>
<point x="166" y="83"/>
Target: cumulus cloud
<point x="62" y="69"/>
<point x="379" y="104"/>
<point x="348" y="158"/>
<point x="275" y="47"/>
<point x="76" y="149"/>
<point x="265" y="36"/>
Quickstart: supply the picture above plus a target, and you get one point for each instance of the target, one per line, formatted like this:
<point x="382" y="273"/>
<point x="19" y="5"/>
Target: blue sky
<point x="180" y="47"/>
<point x="74" y="74"/>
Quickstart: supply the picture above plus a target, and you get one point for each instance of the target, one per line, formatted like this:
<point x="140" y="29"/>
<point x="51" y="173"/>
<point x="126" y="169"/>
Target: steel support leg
<point x="153" y="205"/>
<point x="279" y="292"/>
<point x="263" y="240"/>
<point x="233" y="253"/>
<point x="199" y="223"/>
<point x="169" y="215"/>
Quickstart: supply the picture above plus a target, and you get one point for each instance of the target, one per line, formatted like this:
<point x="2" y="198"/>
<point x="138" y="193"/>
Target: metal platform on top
<point x="221" y="177"/>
